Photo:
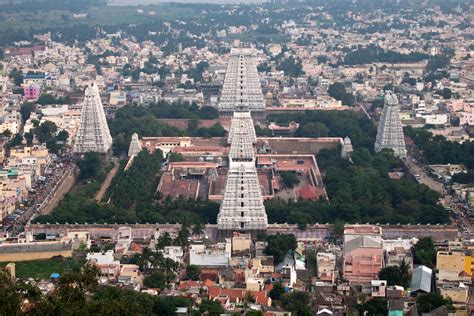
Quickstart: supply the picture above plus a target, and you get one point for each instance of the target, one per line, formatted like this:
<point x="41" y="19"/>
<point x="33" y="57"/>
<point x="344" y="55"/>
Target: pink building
<point x="363" y="253"/>
<point x="463" y="111"/>
<point x="363" y="265"/>
<point x="32" y="92"/>
<point x="466" y="117"/>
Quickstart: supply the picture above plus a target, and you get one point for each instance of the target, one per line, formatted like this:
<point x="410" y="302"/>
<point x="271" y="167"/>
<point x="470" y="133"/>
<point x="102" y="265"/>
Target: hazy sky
<point x="145" y="2"/>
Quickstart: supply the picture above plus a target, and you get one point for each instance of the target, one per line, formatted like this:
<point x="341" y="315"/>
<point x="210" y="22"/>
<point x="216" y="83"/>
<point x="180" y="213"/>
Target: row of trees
<point x="133" y="197"/>
<point x="437" y="150"/>
<point x="375" y="54"/>
<point x="146" y="121"/>
<point x="46" y="132"/>
<point x="78" y="293"/>
<point x="360" y="191"/>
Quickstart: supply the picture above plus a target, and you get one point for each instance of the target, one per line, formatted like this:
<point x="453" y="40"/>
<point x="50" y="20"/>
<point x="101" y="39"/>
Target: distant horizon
<point x="151" y="2"/>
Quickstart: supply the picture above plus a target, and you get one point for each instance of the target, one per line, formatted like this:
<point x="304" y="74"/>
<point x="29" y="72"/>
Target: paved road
<point x="47" y="193"/>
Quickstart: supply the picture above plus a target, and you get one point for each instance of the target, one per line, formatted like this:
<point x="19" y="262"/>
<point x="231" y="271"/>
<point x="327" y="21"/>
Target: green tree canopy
<point x="297" y="302"/>
<point x="193" y="272"/>
<point x="424" y="252"/>
<point x="396" y="275"/>
<point x="89" y="166"/>
<point x="289" y="179"/>
<point x="425" y="303"/>
<point x="279" y="245"/>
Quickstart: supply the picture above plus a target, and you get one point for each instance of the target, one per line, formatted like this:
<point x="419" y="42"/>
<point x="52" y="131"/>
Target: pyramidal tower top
<point x="135" y="146"/>
<point x="242" y="90"/>
<point x="93" y="134"/>
<point x="389" y="130"/>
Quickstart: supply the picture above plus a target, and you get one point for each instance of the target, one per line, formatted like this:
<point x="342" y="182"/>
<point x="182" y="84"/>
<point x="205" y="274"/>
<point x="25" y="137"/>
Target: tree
<point x="437" y="62"/>
<point x="69" y="295"/>
<point x="213" y="308"/>
<point x="15" y="141"/>
<point x="62" y="136"/>
<point x="163" y="241"/>
<point x="89" y="166"/>
<point x="396" y="275"/>
<point x="183" y="235"/>
<point x="25" y="110"/>
<point x="6" y="133"/>
<point x="175" y="157"/>
<point x="249" y="298"/>
<point x="313" y="129"/>
<point x="46" y="131"/>
<point x="9" y="295"/>
<point x="297" y="302"/>
<point x="17" y="76"/>
<point x="289" y="179"/>
<point x="446" y="93"/>
<point x="156" y="279"/>
<point x="46" y="98"/>
<point x="198" y="229"/>
<point x="217" y="130"/>
<point x="193" y="272"/>
<point x="375" y="307"/>
<point x="277" y="292"/>
<point x="424" y="252"/>
<point x="279" y="245"/>
<point x="425" y="303"/>
<point x="338" y="91"/>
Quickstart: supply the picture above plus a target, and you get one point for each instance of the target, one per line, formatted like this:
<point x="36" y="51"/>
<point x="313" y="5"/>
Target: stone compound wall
<point x="439" y="233"/>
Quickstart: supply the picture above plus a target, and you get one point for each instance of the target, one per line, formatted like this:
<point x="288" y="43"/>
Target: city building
<point x="363" y="253"/>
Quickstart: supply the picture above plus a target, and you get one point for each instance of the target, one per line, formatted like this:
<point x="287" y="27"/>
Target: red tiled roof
<point x="208" y="283"/>
<point x="235" y="295"/>
<point x="136" y="247"/>
<point x="261" y="297"/>
<point x="185" y="285"/>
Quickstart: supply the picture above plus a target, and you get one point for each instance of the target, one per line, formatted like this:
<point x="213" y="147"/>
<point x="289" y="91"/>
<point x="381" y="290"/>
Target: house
<point x="234" y="297"/>
<point x="398" y="255"/>
<point x="378" y="288"/>
<point x="287" y="269"/>
<point x="174" y="253"/>
<point x="264" y="264"/>
<point x="241" y="242"/>
<point x="106" y="263"/>
<point x="421" y="280"/>
<point x="210" y="254"/>
<point x="326" y="266"/>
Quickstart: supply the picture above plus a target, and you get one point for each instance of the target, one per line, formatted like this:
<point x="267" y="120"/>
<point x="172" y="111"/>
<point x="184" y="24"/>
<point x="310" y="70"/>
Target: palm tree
<point x="198" y="229"/>
<point x="249" y="298"/>
<point x="183" y="235"/>
<point x="146" y="258"/>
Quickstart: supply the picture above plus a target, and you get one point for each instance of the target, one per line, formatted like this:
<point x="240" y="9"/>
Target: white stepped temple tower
<point x="242" y="208"/>
<point x="93" y="134"/>
<point x="135" y="146"/>
<point x="389" y="130"/>
<point x="242" y="85"/>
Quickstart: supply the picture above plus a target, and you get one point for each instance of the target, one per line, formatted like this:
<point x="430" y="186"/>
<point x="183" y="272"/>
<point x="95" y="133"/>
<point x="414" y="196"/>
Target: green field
<point x="96" y="16"/>
<point x="42" y="269"/>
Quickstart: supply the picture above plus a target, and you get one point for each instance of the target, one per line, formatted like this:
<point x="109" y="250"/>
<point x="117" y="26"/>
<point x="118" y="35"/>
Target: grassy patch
<point x="107" y="15"/>
<point x="42" y="269"/>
